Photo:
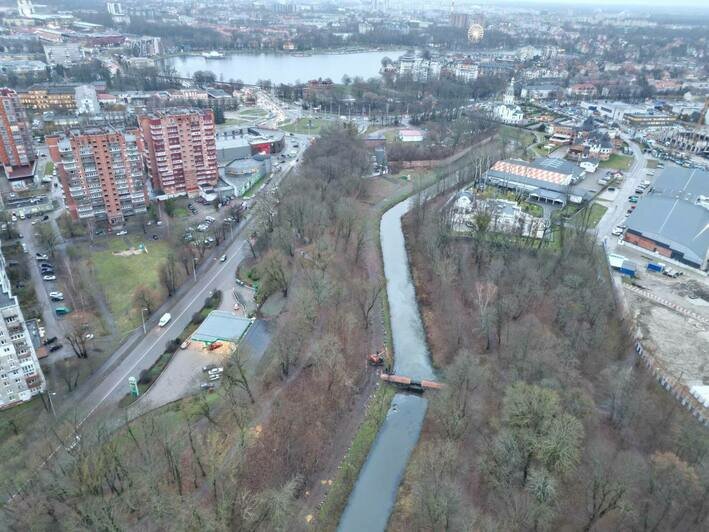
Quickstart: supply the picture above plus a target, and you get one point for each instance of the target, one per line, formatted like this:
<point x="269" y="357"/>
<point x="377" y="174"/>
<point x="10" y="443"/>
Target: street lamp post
<point x="194" y="268"/>
<point x="142" y="317"/>
<point x="51" y="403"/>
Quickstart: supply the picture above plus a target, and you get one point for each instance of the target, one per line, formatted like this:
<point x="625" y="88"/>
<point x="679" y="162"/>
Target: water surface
<point x="284" y="68"/>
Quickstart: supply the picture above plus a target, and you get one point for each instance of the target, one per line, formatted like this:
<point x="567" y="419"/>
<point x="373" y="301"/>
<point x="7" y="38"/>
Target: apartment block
<point x="16" y="149"/>
<point x="21" y="377"/>
<point x="180" y="150"/>
<point x="48" y="97"/>
<point x="101" y="172"/>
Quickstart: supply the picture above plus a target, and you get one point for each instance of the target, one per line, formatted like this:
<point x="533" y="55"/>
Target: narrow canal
<point x="374" y="493"/>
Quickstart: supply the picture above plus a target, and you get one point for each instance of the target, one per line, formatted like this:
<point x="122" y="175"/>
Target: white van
<point x="164" y="319"/>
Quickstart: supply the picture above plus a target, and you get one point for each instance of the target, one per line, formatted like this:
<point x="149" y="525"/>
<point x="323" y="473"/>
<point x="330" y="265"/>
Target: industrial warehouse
<point x="673" y="220"/>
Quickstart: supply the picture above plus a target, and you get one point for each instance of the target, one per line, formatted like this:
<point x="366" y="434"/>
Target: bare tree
<point x="236" y="373"/>
<point x="78" y="335"/>
<point x="145" y="297"/>
<point x="366" y="295"/>
<point x="168" y="274"/>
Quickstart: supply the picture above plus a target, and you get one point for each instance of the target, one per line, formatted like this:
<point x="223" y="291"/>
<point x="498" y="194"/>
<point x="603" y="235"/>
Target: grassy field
<point x="619" y="162"/>
<point x="301" y="126"/>
<point x="119" y="276"/>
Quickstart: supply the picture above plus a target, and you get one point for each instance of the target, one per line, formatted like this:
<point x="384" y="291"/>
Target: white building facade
<point x="21" y="377"/>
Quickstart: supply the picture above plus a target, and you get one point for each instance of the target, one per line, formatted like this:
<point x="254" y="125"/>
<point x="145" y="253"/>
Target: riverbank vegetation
<point x="545" y="423"/>
<point x="260" y="452"/>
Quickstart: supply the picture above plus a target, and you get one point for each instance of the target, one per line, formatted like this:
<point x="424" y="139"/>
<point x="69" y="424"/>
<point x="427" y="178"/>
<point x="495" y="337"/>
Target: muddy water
<point x="374" y="494"/>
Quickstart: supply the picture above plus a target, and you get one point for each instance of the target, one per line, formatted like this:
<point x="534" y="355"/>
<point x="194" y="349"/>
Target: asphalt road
<point x="51" y="324"/>
<point x="615" y="214"/>
<point x="113" y="384"/>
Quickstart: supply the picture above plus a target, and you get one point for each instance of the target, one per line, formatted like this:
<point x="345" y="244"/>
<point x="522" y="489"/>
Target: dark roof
<point x="686" y="183"/>
<point x="557" y="165"/>
<point x="677" y="222"/>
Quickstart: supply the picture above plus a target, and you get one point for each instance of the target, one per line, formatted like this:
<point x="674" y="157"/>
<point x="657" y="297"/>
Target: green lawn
<point x="49" y="168"/>
<point x="253" y="188"/>
<point x="119" y="276"/>
<point x="619" y="162"/>
<point x="301" y="126"/>
<point x="597" y="212"/>
<point x="572" y="211"/>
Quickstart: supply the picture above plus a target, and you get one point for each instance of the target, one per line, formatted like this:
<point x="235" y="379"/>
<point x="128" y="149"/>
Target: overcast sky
<point x="618" y="3"/>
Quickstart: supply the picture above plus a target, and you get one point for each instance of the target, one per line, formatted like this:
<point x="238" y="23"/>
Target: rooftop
<point x="221" y="326"/>
<point x="685" y="183"/>
<point x="683" y="223"/>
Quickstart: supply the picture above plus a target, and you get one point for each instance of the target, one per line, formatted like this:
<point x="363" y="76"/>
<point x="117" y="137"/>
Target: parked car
<point x="185" y="344"/>
<point x="215" y="377"/>
<point x="55" y="347"/>
<point x="49" y="277"/>
<point x="207" y="386"/>
<point x="156" y="237"/>
<point x="61" y="311"/>
<point x="122" y="233"/>
<point x="617" y="231"/>
<point x="50" y="340"/>
<point x="208" y="367"/>
<point x="56" y="294"/>
<point x="222" y="258"/>
<point x="216" y="371"/>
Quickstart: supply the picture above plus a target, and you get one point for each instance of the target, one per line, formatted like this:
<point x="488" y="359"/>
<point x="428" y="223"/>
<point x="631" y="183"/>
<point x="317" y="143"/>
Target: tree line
<point x="546" y="421"/>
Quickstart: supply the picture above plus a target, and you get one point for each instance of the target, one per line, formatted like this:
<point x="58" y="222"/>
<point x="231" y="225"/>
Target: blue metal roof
<point x="221" y="326"/>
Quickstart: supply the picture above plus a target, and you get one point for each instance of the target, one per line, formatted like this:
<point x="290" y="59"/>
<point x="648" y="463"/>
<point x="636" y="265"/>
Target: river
<point x="284" y="68"/>
<point x="374" y="493"/>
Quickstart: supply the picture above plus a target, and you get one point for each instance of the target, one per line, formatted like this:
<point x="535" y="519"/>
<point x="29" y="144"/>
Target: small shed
<point x="221" y="326"/>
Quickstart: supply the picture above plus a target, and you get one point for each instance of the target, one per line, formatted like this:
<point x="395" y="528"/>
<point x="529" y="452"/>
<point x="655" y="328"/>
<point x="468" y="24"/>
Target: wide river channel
<point x="374" y="493"/>
<point x="284" y="68"/>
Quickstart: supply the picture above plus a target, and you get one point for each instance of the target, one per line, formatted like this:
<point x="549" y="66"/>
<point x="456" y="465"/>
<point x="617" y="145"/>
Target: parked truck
<point x="655" y="267"/>
<point x="628" y="268"/>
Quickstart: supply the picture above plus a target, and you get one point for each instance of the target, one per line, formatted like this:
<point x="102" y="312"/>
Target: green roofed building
<point x="221" y="326"/>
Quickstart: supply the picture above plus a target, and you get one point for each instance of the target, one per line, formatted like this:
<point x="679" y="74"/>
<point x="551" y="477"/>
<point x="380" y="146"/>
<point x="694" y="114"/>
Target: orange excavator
<point x="376" y="359"/>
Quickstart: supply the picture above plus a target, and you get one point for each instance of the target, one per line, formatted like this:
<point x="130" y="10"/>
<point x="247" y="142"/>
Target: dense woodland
<point x="248" y="456"/>
<point x="546" y="422"/>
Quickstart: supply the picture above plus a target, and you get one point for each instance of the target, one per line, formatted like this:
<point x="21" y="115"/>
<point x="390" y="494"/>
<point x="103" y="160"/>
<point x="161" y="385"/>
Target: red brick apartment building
<point x="16" y="150"/>
<point x="101" y="172"/>
<point x="180" y="150"/>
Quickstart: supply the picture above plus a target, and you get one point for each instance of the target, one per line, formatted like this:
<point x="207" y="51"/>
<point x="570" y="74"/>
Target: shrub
<point x="197" y="318"/>
<point x="172" y="345"/>
<point x="145" y="377"/>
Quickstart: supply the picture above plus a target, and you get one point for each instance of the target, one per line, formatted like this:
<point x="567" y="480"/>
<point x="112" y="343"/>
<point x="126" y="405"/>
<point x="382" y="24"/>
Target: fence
<point x="678" y="390"/>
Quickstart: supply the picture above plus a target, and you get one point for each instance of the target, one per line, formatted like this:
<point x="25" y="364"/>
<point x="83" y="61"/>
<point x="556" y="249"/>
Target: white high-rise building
<point x="21" y="377"/>
<point x="114" y="8"/>
<point x="25" y="8"/>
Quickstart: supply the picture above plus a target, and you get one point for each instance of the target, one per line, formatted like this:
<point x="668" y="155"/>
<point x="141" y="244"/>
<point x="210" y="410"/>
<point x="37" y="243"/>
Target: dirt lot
<point x="678" y="341"/>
